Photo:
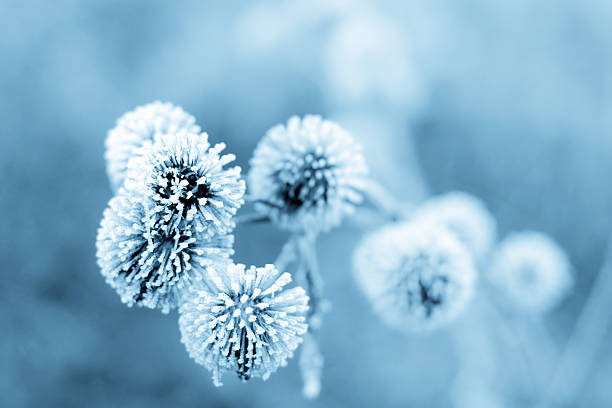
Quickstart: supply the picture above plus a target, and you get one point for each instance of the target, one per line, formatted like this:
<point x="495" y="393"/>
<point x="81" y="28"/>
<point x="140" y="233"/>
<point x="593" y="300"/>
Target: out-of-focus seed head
<point x="417" y="276"/>
<point x="531" y="272"/>
<point x="464" y="215"/>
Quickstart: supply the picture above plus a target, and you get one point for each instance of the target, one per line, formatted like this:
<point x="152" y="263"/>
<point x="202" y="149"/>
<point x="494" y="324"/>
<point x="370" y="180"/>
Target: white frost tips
<point x="243" y="320"/>
<point x="145" y="265"/>
<point x="416" y="275"/>
<point x="138" y="128"/>
<point x="308" y="174"/>
<point x="186" y="179"/>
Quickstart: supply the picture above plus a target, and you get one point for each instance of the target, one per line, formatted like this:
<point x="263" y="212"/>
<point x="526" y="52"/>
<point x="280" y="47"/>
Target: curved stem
<point x="542" y="349"/>
<point x="473" y="339"/>
<point x="312" y="279"/>
<point x="251" y="218"/>
<point x="585" y="342"/>
<point x="514" y="337"/>
<point x="287" y="255"/>
<point x="311" y="366"/>
<point x="311" y="359"/>
<point x="384" y="200"/>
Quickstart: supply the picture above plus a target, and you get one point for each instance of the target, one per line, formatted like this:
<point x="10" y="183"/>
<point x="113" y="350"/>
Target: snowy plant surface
<point x="507" y="102"/>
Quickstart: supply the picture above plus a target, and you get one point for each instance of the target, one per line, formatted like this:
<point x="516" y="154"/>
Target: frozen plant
<point x="243" y="320"/>
<point x="138" y="128"/>
<point x="144" y="263"/>
<point x="311" y="366"/>
<point x="464" y="215"/>
<point x="187" y="181"/>
<point x="531" y="272"/>
<point x="165" y="241"/>
<point x="307" y="175"/>
<point x="417" y="276"/>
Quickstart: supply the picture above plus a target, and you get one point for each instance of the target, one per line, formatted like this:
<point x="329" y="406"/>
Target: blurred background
<point x="509" y="101"/>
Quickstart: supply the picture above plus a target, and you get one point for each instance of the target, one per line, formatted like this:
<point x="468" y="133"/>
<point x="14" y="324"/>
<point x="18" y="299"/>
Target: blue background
<point x="514" y="106"/>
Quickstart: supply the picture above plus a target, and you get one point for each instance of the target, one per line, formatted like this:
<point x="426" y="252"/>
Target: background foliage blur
<point x="510" y="101"/>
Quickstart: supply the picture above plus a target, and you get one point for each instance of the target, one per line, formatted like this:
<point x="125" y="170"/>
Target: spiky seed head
<point x="138" y="128"/>
<point x="187" y="180"/>
<point x="308" y="174"/>
<point x="243" y="320"/>
<point x="146" y="265"/>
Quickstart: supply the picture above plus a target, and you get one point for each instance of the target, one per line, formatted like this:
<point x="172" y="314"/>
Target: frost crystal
<point x="186" y="179"/>
<point x="140" y="127"/>
<point x="243" y="321"/>
<point x="145" y="265"/>
<point x="531" y="271"/>
<point x="465" y="216"/>
<point x="308" y="174"/>
<point x="416" y="275"/>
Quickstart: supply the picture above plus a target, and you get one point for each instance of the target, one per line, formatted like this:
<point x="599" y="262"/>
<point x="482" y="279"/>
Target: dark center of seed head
<point x="198" y="191"/>
<point x="298" y="193"/>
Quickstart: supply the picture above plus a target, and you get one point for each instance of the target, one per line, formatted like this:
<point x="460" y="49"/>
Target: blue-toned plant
<point x="166" y="242"/>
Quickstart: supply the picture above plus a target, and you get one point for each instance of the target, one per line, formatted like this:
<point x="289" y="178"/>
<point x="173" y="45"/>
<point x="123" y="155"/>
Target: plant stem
<point x="312" y="279"/>
<point x="384" y="201"/>
<point x="311" y="366"/>
<point x="251" y="218"/>
<point x="311" y="359"/>
<point x="585" y="342"/>
<point x="287" y="255"/>
<point x="514" y="337"/>
<point x="475" y="345"/>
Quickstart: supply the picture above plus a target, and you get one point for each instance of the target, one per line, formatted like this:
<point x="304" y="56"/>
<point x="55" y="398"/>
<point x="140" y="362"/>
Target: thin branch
<point x="311" y="359"/>
<point x="252" y="218"/>
<point x="311" y="366"/>
<point x="287" y="255"/>
<point x="585" y="342"/>
<point x="312" y="279"/>
<point x="473" y="339"/>
<point x="384" y="200"/>
<point x="512" y="336"/>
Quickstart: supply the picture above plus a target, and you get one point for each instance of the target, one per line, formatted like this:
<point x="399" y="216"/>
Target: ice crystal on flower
<point x="187" y="180"/>
<point x="464" y="215"/>
<point x="139" y="127"/>
<point x="307" y="174"/>
<point x="144" y="264"/>
<point x="531" y="272"/>
<point x="417" y="276"/>
<point x="243" y="320"/>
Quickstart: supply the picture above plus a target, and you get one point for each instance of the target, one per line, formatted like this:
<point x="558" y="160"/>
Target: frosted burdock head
<point x="186" y="179"/>
<point x="145" y="265"/>
<point x="531" y="271"/>
<point x="138" y="128"/>
<point x="307" y="175"/>
<point x="243" y="321"/>
<point x="417" y="276"/>
<point x="464" y="215"/>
